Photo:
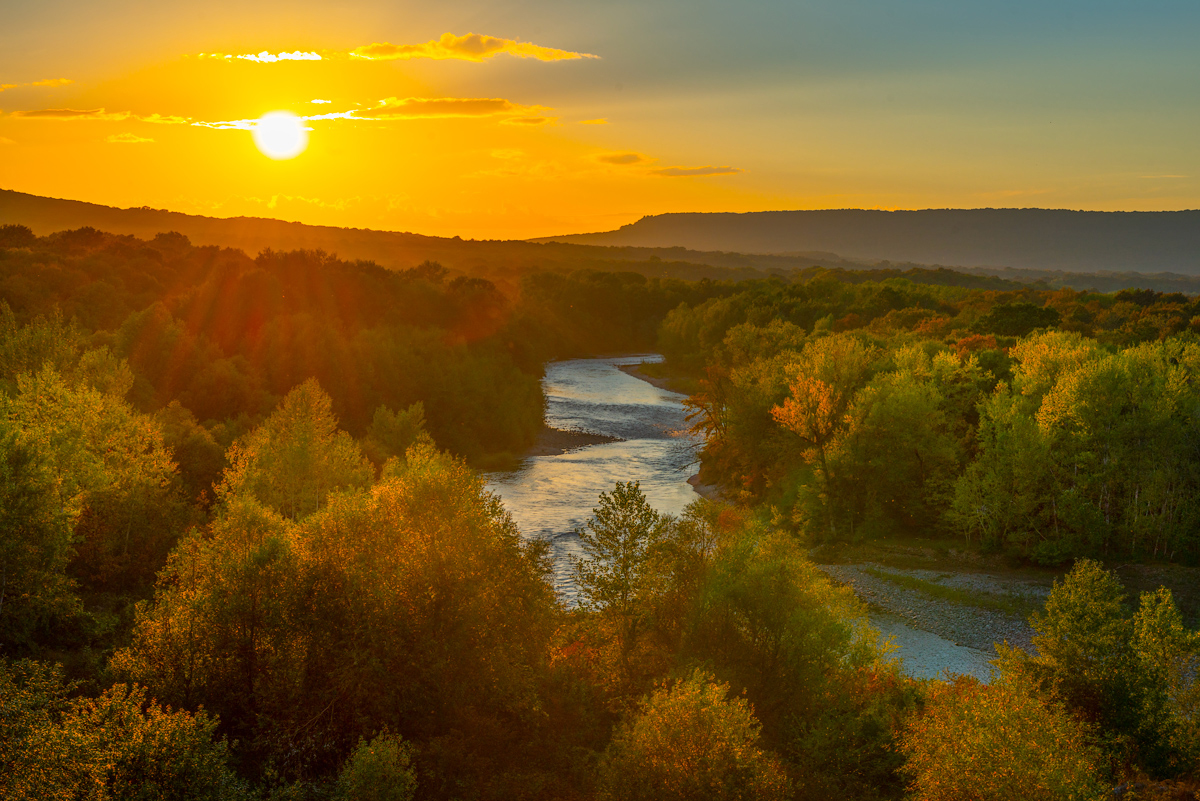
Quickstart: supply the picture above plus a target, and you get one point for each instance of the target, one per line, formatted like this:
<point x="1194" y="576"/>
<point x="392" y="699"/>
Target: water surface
<point x="550" y="497"/>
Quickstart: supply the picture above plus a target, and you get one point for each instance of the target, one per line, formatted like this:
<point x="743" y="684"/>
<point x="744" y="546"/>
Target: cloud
<point x="623" y="158"/>
<point x="420" y="107"/>
<point x="248" y="125"/>
<point x="528" y="120"/>
<point x="165" y="119"/>
<point x="318" y="100"/>
<point x="1164" y="176"/>
<point x="99" y="114"/>
<point x="72" y="114"/>
<point x="414" y="108"/>
<point x="472" y="47"/>
<point x="127" y="139"/>
<point x="599" y="121"/>
<point x="676" y="172"/>
<point x="47" y="82"/>
<point x="265" y="57"/>
<point x="6" y="141"/>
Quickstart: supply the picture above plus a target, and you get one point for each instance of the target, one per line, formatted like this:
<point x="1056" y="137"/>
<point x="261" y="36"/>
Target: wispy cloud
<point x="265" y="57"/>
<point x="127" y="139"/>
<point x="47" y="82"/>
<point x="72" y="114"/>
<point x="6" y="141"/>
<point x="98" y="114"/>
<point x="421" y="107"/>
<point x="165" y="119"/>
<point x="415" y="108"/>
<point x="598" y="121"/>
<point x="471" y="47"/>
<point x="1164" y="176"/>
<point x="678" y="172"/>
<point x="318" y="100"/>
<point x="528" y="120"/>
<point x="623" y="158"/>
<point x="249" y="125"/>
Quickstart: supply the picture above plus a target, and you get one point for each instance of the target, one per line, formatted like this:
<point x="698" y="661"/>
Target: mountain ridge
<point x="1038" y="239"/>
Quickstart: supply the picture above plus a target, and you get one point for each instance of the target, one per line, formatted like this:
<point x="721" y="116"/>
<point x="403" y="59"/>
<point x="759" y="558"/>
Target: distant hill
<point x="505" y="261"/>
<point x="1036" y="239"/>
<point x="397" y="250"/>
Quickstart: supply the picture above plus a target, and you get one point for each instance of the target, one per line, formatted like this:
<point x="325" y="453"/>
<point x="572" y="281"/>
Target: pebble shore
<point x="977" y="627"/>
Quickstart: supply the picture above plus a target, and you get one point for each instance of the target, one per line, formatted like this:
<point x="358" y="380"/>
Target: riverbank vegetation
<point x="1048" y="425"/>
<point x="243" y="554"/>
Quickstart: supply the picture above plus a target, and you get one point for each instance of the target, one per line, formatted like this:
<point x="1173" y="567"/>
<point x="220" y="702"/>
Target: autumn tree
<point x="997" y="742"/>
<point x="691" y="741"/>
<point x="825" y="378"/>
<point x="120" y="746"/>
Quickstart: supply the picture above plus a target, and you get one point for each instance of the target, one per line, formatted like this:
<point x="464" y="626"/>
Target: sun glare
<point x="280" y="135"/>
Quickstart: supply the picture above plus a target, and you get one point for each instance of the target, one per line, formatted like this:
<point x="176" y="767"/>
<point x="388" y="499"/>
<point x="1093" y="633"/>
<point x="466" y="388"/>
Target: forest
<point x="246" y="551"/>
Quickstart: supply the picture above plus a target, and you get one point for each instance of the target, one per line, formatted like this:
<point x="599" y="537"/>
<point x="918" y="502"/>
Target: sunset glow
<point x="472" y="120"/>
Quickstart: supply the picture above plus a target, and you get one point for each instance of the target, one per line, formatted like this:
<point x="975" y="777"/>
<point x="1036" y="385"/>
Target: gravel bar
<point x="971" y="626"/>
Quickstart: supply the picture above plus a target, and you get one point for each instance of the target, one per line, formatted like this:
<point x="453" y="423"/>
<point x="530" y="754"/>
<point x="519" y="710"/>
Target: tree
<point x="771" y="623"/>
<point x="35" y="547"/>
<point x="1168" y="656"/>
<point x="612" y="579"/>
<point x="379" y="770"/>
<point x="392" y="433"/>
<point x="825" y="378"/>
<point x="687" y="742"/>
<point x="114" y="476"/>
<point x="1131" y="675"/>
<point x="220" y="630"/>
<point x="121" y="746"/>
<point x="297" y="457"/>
<point x="997" y="742"/>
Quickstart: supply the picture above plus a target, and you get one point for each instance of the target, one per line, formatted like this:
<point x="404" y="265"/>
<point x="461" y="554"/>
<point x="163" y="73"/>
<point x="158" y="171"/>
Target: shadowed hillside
<point x="1040" y="239"/>
<point x="504" y="262"/>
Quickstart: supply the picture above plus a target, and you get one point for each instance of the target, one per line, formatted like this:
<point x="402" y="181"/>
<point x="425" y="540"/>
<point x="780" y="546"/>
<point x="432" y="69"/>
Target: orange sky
<point x="558" y="119"/>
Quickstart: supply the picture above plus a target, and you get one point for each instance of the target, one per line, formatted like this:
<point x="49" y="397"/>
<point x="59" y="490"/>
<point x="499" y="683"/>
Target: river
<point x="551" y="496"/>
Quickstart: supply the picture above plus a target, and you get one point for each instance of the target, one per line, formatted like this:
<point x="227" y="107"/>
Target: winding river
<point x="551" y="496"/>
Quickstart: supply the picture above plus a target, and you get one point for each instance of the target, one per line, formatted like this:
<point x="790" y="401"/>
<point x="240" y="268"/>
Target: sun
<point x="280" y="135"/>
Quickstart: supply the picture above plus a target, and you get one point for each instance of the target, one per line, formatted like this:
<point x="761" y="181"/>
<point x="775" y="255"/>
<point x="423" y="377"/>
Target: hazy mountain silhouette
<point x="504" y="261"/>
<point x="1040" y="239"/>
<point x="492" y="258"/>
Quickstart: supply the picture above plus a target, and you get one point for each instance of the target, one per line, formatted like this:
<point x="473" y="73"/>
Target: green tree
<point x="691" y="741"/>
<point x="35" y="547"/>
<point x="392" y="433"/>
<point x="114" y="476"/>
<point x="1132" y="675"/>
<point x="220" y="631"/>
<point x="1168" y="662"/>
<point x="767" y="620"/>
<point x="297" y="457"/>
<point x="379" y="770"/>
<point x="612" y="579"/>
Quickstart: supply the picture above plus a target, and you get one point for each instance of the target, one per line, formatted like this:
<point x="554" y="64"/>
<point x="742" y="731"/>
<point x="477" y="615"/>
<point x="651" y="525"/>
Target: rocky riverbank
<point x="974" y="610"/>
